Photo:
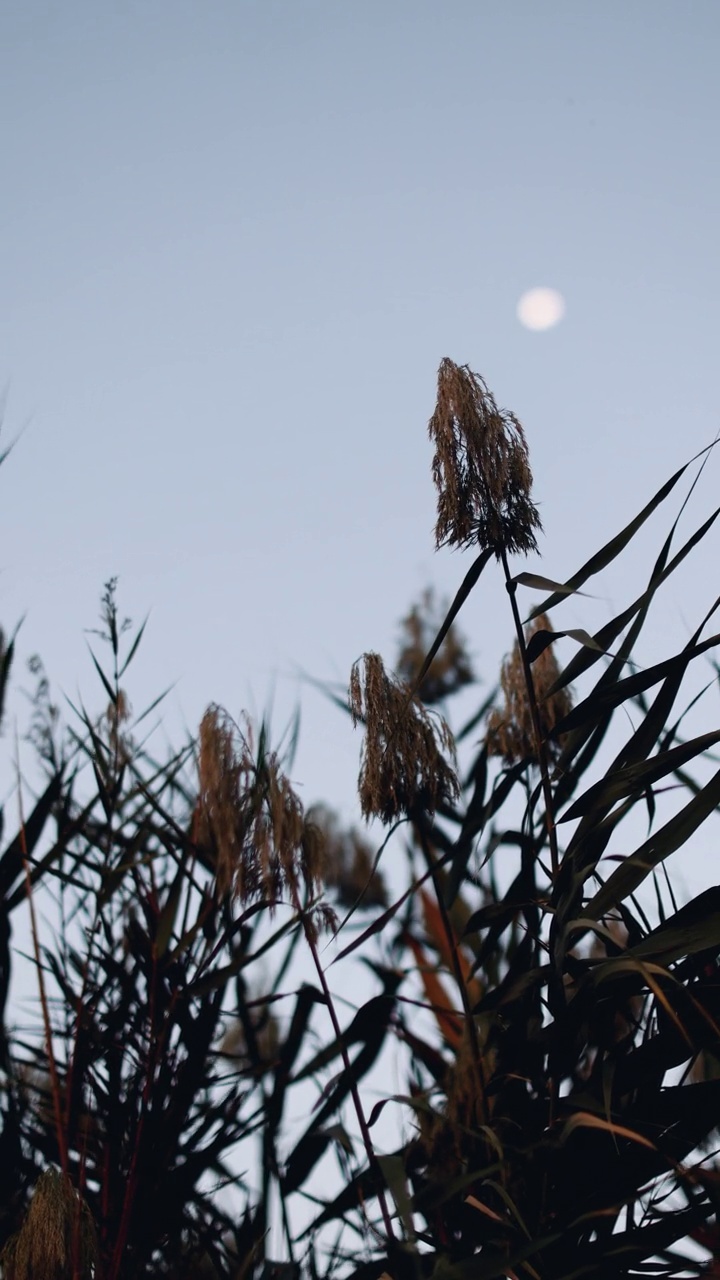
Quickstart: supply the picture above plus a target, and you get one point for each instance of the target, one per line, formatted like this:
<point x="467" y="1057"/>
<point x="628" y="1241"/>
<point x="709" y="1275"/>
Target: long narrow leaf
<point x="599" y="702"/>
<point x="606" y="636"/>
<point x="612" y="549"/>
<point x="466" y="586"/>
<point x="631" y="873"/>
<point x="636" y="777"/>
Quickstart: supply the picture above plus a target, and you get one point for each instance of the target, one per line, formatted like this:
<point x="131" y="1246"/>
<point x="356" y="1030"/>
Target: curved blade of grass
<point x="306" y="1154"/>
<point x="637" y="777"/>
<point x="693" y="928"/>
<point x="601" y="701"/>
<point x="466" y="586"/>
<point x="631" y="873"/>
<point x="168" y="913"/>
<point x="7" y="652"/>
<point x="540" y="583"/>
<point x="586" y="1120"/>
<point x="307" y="997"/>
<point x="111" y="693"/>
<point x="11" y="862"/>
<point x="133" y="648"/>
<point x="612" y="549"/>
<point x="372" y="1017"/>
<point x="541" y="640"/>
<point x="606" y="636"/>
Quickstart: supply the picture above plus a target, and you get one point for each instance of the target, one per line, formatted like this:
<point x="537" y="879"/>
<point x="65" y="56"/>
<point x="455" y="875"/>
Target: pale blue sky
<point x="236" y="240"/>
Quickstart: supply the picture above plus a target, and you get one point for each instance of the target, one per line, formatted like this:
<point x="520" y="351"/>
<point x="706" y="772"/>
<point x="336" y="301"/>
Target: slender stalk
<point x="354" y="1092"/>
<point x="270" y="1167"/>
<point x="532" y="702"/>
<point x="548" y="797"/>
<point x="457" y="971"/>
<point x="80" y="1005"/>
<point x="156" y="1040"/>
<point x="131" y="1184"/>
<point x="52" y="1066"/>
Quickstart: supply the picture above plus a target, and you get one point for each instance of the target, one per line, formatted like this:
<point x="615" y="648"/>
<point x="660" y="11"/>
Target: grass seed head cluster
<point x="510" y="731"/>
<point x="253" y="820"/>
<point x="407" y="754"/>
<point x="556" y="1043"/>
<point x="57" y="1240"/>
<point x="481" y="468"/>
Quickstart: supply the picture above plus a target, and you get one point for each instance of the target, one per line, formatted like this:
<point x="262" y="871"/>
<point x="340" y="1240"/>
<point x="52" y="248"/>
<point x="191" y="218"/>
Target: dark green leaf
<point x="466" y="586"/>
<point x="599" y="702"/>
<point x="111" y="693"/>
<point x="631" y="873"/>
<point x="133" y="649"/>
<point x="635" y="778"/>
<point x="11" y="862"/>
<point x="612" y="549"/>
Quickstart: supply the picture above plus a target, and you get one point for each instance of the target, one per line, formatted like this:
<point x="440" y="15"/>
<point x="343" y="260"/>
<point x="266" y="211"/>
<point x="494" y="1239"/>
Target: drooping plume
<point x="451" y="670"/>
<point x="510" y="731"/>
<point x="480" y="468"/>
<point x="250" y="818"/>
<point x="58" y="1236"/>
<point x="402" y="762"/>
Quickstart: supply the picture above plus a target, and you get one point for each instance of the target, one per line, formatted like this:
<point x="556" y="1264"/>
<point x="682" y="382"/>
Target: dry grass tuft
<point x="348" y="862"/>
<point x="250" y="818"/>
<point x="510" y="729"/>
<point x="447" y="1140"/>
<point x="481" y="468"/>
<point x="403" y="765"/>
<point x="57" y="1238"/>
<point x="451" y="670"/>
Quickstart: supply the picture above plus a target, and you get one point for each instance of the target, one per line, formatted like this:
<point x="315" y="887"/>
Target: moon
<point x="540" y="309"/>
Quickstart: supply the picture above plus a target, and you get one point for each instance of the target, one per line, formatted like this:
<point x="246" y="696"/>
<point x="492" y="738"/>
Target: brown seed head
<point x="510" y="729"/>
<point x="451" y="669"/>
<point x="57" y="1238"/>
<point x="402" y="762"/>
<point x="448" y="1139"/>
<point x="480" y="468"/>
<point x="250" y="817"/>
<point x="348" y="862"/>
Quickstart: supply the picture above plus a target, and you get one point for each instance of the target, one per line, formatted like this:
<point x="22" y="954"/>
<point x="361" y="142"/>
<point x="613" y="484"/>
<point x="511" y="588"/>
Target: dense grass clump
<point x="196" y="1101"/>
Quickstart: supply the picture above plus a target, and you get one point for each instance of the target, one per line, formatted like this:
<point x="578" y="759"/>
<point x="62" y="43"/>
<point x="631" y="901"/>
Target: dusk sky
<point x="238" y="238"/>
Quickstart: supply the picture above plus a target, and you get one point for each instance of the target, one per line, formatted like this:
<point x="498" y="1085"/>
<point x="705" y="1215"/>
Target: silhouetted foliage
<point x="554" y="1011"/>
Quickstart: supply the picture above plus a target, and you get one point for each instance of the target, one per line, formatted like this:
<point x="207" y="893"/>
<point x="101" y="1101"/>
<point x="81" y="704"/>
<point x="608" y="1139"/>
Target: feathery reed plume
<point x="402" y="762"/>
<point x="451" y="670"/>
<point x="57" y="1238"/>
<point x="253" y="824"/>
<point x="510" y="729"/>
<point x="250" y="818"/>
<point x="448" y="1139"/>
<point x="348" y="862"/>
<point x="480" y="468"/>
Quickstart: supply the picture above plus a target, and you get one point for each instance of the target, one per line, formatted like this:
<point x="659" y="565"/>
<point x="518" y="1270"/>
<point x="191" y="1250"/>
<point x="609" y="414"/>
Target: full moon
<point x="540" y="309"/>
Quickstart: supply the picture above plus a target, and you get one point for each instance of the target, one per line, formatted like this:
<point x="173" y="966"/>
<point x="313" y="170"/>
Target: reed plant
<point x="552" y="1007"/>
